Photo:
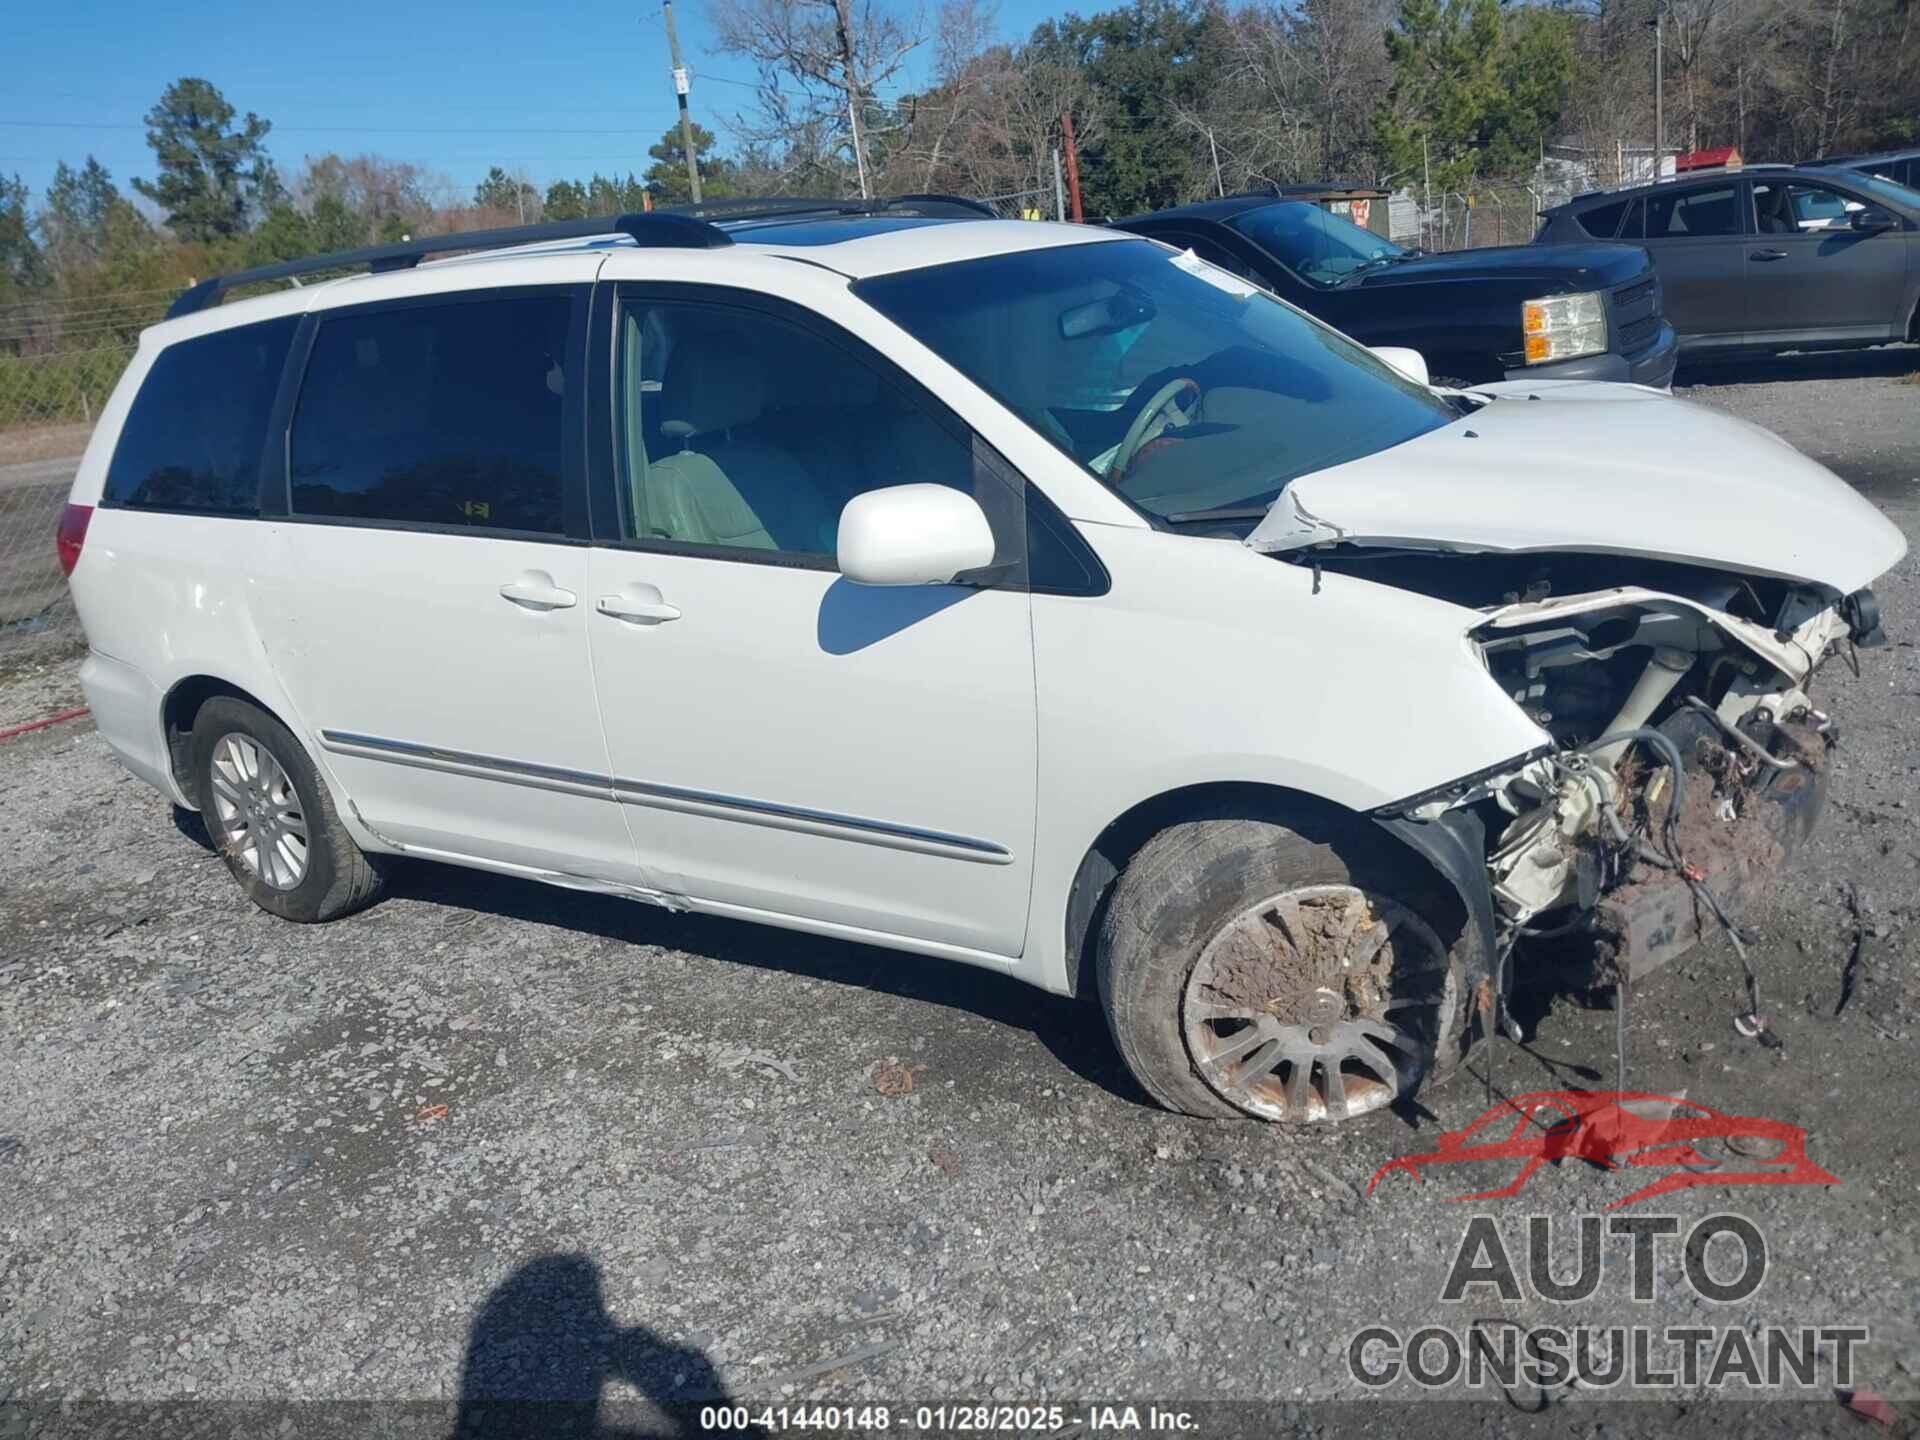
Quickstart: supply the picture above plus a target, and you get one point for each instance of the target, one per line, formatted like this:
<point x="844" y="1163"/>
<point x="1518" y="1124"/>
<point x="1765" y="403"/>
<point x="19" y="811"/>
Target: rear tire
<point x="272" y="819"/>
<point x="1248" y="970"/>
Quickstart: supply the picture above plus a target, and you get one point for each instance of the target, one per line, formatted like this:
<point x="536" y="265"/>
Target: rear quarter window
<point x="194" y="433"/>
<point x="1602" y="221"/>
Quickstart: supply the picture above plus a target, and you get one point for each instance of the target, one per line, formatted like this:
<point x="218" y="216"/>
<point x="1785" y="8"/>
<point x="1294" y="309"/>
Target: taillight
<point x="72" y="535"/>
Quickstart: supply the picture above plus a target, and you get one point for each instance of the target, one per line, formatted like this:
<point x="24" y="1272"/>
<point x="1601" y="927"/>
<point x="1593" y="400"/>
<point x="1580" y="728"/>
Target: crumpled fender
<point x="1455" y="844"/>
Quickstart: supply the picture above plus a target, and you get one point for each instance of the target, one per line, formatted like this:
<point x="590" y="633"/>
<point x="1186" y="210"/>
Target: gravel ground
<point x="490" y="1139"/>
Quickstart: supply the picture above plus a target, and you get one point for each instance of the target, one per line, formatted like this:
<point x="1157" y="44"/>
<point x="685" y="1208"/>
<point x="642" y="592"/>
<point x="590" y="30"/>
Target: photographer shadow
<point x="543" y="1349"/>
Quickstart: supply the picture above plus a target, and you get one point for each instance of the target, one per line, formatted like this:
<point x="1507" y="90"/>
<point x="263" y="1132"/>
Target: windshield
<point x="1887" y="192"/>
<point x="1312" y="242"/>
<point x="1181" y="386"/>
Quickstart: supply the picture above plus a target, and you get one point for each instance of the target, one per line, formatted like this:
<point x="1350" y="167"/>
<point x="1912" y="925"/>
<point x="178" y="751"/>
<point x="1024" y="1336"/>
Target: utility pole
<point x="1426" y="185"/>
<point x="680" y="91"/>
<point x="843" y="26"/>
<point x="1659" y="87"/>
<point x="1073" y="164"/>
<point x="1059" y="189"/>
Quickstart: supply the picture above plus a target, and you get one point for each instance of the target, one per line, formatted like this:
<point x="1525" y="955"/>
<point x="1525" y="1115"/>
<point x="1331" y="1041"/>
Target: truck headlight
<point x="1561" y="327"/>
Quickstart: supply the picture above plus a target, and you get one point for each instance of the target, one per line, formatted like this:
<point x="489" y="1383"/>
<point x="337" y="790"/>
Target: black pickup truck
<point x="1519" y="312"/>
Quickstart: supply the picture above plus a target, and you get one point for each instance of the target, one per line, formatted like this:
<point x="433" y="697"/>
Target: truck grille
<point x="1636" y="314"/>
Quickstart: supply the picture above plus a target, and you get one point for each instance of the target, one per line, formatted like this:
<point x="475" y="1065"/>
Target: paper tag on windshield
<point x="1220" y="279"/>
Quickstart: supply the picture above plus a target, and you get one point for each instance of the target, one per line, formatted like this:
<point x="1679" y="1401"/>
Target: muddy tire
<point x="271" y="818"/>
<point x="1249" y="969"/>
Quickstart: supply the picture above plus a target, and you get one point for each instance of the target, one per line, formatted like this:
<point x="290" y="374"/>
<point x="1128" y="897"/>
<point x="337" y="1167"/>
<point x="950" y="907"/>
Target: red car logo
<point x="1618" y="1129"/>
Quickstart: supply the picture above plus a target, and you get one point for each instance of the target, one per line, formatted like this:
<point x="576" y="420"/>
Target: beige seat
<point x="688" y="496"/>
<point x="726" y="485"/>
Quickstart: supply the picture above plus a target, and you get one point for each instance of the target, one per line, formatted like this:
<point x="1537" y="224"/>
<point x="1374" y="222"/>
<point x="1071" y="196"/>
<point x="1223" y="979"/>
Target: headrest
<point x="714" y="382"/>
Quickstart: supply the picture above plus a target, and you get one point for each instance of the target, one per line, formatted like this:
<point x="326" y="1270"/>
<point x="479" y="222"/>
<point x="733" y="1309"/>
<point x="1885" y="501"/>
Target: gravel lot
<point x="490" y="1139"/>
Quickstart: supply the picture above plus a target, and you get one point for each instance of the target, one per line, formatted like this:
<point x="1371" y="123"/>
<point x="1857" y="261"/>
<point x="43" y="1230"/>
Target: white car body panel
<point x="1616" y="469"/>
<point x="856" y="755"/>
<point x="1333" y="695"/>
<point x="914" y="249"/>
<point x="373" y="634"/>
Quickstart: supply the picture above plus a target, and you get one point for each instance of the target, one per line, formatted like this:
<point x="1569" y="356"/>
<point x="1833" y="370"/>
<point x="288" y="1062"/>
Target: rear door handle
<point x="535" y="590"/>
<point x="640" y="604"/>
<point x="1766" y="254"/>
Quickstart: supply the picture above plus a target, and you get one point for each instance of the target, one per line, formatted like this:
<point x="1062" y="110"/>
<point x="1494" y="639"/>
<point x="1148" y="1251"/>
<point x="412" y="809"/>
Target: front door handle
<point x="1766" y="254"/>
<point x="535" y="590"/>
<point x="640" y="604"/>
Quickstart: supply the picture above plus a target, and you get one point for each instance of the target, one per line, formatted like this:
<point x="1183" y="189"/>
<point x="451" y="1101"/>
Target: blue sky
<point x="559" y="89"/>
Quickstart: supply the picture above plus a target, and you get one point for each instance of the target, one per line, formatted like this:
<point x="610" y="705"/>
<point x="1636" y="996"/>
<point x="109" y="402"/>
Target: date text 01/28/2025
<point x="948" y="1419"/>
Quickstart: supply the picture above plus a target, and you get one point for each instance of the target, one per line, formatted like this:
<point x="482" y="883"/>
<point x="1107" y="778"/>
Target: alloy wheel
<point x="257" y="812"/>
<point x="1320" y="1003"/>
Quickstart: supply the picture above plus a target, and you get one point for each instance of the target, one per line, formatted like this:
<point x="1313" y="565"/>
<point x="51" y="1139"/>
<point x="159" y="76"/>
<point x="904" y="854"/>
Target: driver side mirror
<point x="1871" y="220"/>
<point x="913" y="535"/>
<point x="1410" y="363"/>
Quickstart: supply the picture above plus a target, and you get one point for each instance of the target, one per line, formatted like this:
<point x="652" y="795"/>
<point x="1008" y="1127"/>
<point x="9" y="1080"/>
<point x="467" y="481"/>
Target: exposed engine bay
<point x="1687" y="758"/>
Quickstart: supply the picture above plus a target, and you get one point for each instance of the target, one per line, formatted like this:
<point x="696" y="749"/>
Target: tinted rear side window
<point x="437" y="415"/>
<point x="1603" y="221"/>
<point x="193" y="436"/>
<point x="1694" y="212"/>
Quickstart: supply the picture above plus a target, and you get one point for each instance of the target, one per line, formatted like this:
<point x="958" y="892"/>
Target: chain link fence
<point x="1492" y="213"/>
<point x="59" y="361"/>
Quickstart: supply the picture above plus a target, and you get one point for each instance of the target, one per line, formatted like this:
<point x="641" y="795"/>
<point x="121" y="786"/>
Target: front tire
<point x="271" y="818"/>
<point x="1248" y="970"/>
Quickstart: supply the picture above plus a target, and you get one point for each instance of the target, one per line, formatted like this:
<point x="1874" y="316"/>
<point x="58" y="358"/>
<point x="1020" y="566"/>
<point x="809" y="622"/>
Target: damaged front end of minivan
<point x="1657" y="587"/>
<point x="1687" y="762"/>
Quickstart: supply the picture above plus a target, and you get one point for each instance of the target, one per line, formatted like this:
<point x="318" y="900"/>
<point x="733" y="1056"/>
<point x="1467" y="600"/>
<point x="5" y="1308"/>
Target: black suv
<point x="1772" y="257"/>
<point x="1573" y="312"/>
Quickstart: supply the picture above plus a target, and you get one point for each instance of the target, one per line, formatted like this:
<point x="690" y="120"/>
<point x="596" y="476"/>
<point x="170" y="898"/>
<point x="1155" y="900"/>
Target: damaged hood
<point x="1610" y="469"/>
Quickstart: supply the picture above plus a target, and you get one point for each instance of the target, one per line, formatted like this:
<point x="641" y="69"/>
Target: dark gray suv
<point x="1772" y="257"/>
<point x="1900" y="166"/>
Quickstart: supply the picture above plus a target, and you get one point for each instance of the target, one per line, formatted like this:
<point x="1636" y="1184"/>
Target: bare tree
<point x="821" y="63"/>
<point x="991" y="128"/>
<point x="1688" y="23"/>
<point x="929" y="126"/>
<point x="387" y="192"/>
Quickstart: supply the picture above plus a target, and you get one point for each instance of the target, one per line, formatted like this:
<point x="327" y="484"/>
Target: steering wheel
<point x="1163" y="409"/>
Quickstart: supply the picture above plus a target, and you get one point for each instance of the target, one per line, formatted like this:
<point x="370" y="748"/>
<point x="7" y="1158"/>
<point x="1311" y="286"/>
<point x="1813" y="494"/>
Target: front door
<point x="1811" y="275"/>
<point x="426" y="606"/>
<point x="1698" y="238"/>
<point x="784" y="741"/>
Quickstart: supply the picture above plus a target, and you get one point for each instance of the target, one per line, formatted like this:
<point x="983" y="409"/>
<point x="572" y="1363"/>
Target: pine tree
<point x="214" y="180"/>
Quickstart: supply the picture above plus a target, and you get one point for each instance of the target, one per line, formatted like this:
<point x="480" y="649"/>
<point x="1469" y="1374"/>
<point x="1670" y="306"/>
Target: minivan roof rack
<point x="774" y="207"/>
<point x="657" y="230"/>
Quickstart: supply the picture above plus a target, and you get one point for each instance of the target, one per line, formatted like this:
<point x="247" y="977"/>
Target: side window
<point x="1694" y="213"/>
<point x="1603" y="221"/>
<point x="444" y="415"/>
<point x="193" y="436"/>
<point x="739" y="431"/>
<point x="1783" y="209"/>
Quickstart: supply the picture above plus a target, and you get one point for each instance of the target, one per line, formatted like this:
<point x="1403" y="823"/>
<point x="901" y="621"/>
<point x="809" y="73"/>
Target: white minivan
<point x="1035" y="596"/>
